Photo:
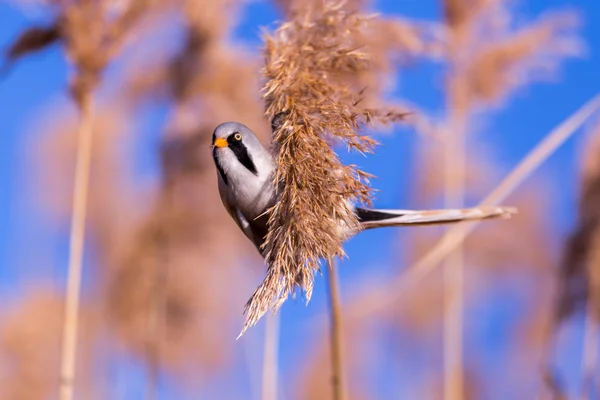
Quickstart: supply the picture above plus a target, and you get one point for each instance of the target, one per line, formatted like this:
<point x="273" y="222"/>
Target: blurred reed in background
<point x="166" y="271"/>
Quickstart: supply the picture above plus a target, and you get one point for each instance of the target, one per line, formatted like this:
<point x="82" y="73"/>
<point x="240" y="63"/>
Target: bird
<point x="245" y="171"/>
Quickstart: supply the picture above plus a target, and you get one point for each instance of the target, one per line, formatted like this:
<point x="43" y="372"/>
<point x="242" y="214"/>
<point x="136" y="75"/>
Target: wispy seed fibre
<point x="310" y="69"/>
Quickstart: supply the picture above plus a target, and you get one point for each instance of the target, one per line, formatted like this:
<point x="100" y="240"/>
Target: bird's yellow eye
<point x="237" y="137"/>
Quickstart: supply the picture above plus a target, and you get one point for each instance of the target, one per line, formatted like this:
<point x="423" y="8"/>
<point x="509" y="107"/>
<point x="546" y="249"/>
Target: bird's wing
<point x="381" y="218"/>
<point x="255" y="230"/>
<point x="233" y="211"/>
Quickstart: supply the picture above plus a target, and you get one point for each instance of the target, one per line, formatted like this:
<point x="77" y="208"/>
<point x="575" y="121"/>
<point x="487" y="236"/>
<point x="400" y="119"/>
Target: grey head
<point x="245" y="173"/>
<point x="238" y="153"/>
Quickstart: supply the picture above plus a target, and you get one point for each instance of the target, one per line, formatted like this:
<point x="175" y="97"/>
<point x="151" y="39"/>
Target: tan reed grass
<point x="310" y="64"/>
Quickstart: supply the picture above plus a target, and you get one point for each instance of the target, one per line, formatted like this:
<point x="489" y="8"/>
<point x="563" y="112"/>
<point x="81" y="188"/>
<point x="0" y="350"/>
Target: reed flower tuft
<point x="312" y="95"/>
<point x="579" y="278"/>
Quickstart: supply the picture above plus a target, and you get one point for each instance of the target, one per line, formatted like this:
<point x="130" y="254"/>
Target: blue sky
<point x="512" y="131"/>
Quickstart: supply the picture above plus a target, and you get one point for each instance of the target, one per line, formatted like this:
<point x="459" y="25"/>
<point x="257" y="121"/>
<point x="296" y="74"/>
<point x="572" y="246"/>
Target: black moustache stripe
<point x="219" y="168"/>
<point x="241" y="153"/>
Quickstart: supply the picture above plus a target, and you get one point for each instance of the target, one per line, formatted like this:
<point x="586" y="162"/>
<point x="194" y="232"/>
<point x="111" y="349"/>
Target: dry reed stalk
<point x="92" y="38"/>
<point x="210" y="80"/>
<point x="336" y="333"/>
<point x="270" y="358"/>
<point x="453" y="324"/>
<point x="271" y="340"/>
<point x="314" y="371"/>
<point x="579" y="277"/>
<point x="540" y="153"/>
<point x="457" y="19"/>
<point x="55" y="157"/>
<point x="91" y="43"/>
<point x="549" y="383"/>
<point x="310" y="64"/>
<point x="157" y="310"/>
<point x="76" y="245"/>
<point x="181" y="232"/>
<point x="589" y="358"/>
<point x="454" y="192"/>
<point x="589" y="354"/>
<point x="486" y="60"/>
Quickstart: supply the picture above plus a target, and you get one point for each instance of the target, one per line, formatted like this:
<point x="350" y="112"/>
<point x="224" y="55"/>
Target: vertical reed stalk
<point x="156" y="313"/>
<point x="336" y="334"/>
<point x="76" y="246"/>
<point x="454" y="237"/>
<point x="454" y="193"/>
<point x="589" y="356"/>
<point x="453" y="312"/>
<point x="270" y="357"/>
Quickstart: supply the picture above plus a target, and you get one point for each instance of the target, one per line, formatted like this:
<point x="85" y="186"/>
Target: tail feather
<point x="369" y="218"/>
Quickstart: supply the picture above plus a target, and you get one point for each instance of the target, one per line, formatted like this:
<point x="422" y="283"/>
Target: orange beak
<point x="220" y="142"/>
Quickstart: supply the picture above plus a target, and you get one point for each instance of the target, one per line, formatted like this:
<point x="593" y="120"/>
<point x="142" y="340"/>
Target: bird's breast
<point x="253" y="195"/>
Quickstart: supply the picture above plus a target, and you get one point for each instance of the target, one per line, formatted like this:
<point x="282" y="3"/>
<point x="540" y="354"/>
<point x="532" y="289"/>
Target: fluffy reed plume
<point x="310" y="61"/>
<point x="176" y="234"/>
<point x="496" y="55"/>
<point x="127" y="226"/>
<point x="185" y="232"/>
<point x="190" y="299"/>
<point x="92" y="32"/>
<point x="404" y="40"/>
<point x="482" y="35"/>
<point x="433" y="387"/>
<point x="487" y="59"/>
<point x="29" y="354"/>
<point x="531" y="53"/>
<point x="579" y="280"/>
<point x="590" y="216"/>
<point x="30" y="346"/>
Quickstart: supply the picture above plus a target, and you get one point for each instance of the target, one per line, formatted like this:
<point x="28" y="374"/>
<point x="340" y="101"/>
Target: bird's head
<point x="237" y="151"/>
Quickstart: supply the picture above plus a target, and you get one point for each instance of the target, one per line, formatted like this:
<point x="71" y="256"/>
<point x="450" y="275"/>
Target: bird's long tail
<point x="370" y="218"/>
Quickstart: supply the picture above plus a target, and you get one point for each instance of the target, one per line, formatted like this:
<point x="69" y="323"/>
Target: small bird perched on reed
<point x="245" y="177"/>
